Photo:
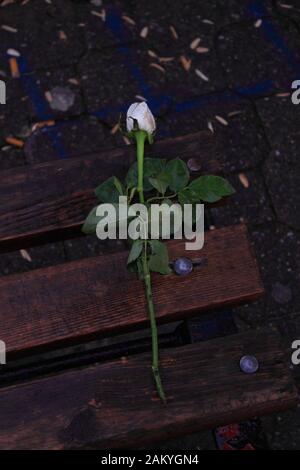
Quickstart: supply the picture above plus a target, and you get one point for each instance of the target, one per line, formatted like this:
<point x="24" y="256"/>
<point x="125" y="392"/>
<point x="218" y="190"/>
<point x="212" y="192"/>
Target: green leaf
<point x="210" y="188"/>
<point x="119" y="186"/>
<point x="152" y="168"/>
<point x="136" y="250"/>
<point x="109" y="190"/>
<point x="188" y="196"/>
<point x="160" y="183"/>
<point x="91" y="222"/>
<point x="116" y="218"/>
<point x="150" y="138"/>
<point x="178" y="174"/>
<point x="165" y="223"/>
<point x="131" y="179"/>
<point x="159" y="259"/>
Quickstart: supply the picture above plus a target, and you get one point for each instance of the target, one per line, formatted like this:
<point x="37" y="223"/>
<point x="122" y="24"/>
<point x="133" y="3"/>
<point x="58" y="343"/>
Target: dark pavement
<point x="223" y="65"/>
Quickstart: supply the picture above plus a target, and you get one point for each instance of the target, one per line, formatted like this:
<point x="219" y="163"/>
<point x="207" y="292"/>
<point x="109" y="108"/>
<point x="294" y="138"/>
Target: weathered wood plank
<point x="98" y="296"/>
<point x="114" y="405"/>
<point x="50" y="201"/>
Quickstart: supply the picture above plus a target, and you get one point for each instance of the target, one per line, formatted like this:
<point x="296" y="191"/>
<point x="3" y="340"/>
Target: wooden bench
<point x="102" y="396"/>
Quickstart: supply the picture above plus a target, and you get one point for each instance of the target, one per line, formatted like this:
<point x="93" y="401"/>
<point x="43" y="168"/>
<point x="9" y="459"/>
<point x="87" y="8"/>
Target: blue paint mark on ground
<point x="42" y="109"/>
<point x="256" y="89"/>
<point x="258" y="10"/>
<point x="115" y="23"/>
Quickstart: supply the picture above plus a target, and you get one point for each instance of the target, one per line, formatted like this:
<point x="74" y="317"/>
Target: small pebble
<point x="281" y="294"/>
<point x="62" y="98"/>
<point x="194" y="164"/>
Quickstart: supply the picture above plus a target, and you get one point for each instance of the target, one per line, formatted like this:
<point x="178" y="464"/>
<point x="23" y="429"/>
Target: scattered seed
<point x="10" y="29"/>
<point x="7" y="2"/>
<point x="128" y="19"/>
<point x="13" y="52"/>
<point x="173" y="32"/>
<point x="115" y="128"/>
<point x="41" y="124"/>
<point x="141" y="98"/>
<point x="14" y="67"/>
<point x="221" y="120"/>
<point x="158" y="67"/>
<point x="210" y="127"/>
<point x="234" y="113"/>
<point x="186" y="63"/>
<point x="207" y="21"/>
<point x="244" y="180"/>
<point x="166" y="59"/>
<point x="201" y="75"/>
<point x="144" y="32"/>
<point x="101" y="14"/>
<point x="25" y="255"/>
<point x="74" y="81"/>
<point x="258" y="23"/>
<point x="284" y="5"/>
<point x="283" y="95"/>
<point x="195" y="43"/>
<point x="14" y="141"/>
<point x="212" y="227"/>
<point x="62" y="36"/>
<point x="126" y="140"/>
<point x="97" y="3"/>
<point x="152" y="54"/>
<point x="48" y="96"/>
<point x="202" y="50"/>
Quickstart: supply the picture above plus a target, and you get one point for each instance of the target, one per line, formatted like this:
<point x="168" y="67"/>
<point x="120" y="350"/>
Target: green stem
<point x="151" y="311"/>
<point x="140" y="140"/>
<point x="140" y="145"/>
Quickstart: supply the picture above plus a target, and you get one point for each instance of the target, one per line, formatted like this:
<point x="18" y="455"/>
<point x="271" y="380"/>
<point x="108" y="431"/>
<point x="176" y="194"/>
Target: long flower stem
<point x="151" y="311"/>
<point x="140" y="138"/>
<point x="140" y="145"/>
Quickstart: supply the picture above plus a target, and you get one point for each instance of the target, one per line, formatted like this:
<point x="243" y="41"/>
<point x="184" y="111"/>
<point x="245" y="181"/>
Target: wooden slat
<point x="50" y="201"/>
<point x="97" y="296"/>
<point x="114" y="405"/>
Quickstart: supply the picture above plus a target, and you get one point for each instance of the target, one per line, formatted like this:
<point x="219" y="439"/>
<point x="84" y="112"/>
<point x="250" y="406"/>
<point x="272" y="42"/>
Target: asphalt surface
<point x="80" y="63"/>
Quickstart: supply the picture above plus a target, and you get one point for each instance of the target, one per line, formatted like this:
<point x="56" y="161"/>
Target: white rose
<point x="140" y="113"/>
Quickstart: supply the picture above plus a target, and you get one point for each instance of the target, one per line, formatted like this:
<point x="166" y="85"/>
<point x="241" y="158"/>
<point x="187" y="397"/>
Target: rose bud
<point x="139" y="117"/>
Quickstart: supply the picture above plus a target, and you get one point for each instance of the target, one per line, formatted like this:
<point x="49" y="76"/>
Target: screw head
<point x="249" y="364"/>
<point x="183" y="266"/>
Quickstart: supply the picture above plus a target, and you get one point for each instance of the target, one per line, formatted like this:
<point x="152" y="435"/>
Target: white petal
<point x="142" y="114"/>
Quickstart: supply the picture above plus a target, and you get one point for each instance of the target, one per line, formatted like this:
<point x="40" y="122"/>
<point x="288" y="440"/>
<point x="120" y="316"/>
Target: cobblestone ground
<point x="77" y="64"/>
